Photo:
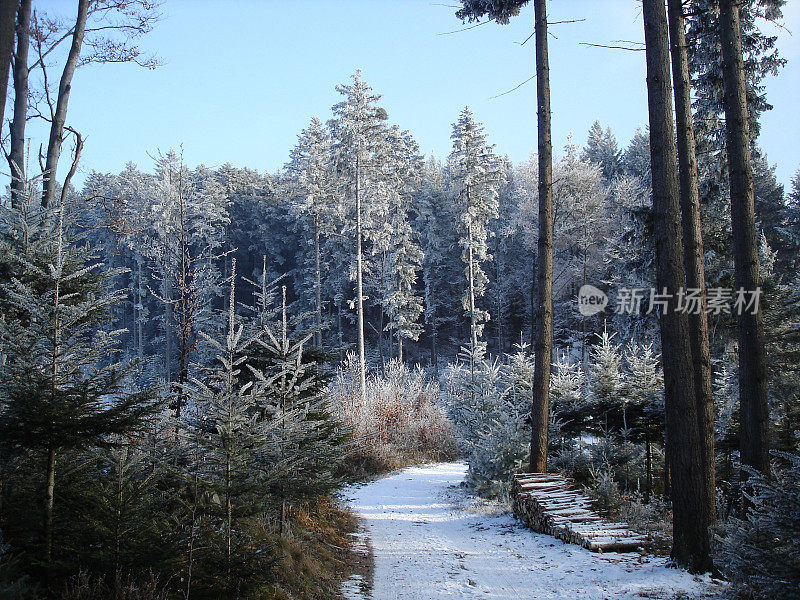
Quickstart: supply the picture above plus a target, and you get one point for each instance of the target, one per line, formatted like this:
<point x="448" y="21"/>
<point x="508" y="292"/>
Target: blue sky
<point x="241" y="78"/>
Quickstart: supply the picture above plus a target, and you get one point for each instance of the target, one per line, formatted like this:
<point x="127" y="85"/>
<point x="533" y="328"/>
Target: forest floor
<point x="427" y="538"/>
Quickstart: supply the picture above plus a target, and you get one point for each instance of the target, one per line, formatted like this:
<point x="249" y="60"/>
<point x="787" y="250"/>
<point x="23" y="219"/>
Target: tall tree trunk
<point x="8" y="11"/>
<point x="362" y="361"/>
<point x="693" y="250"/>
<point x="540" y="407"/>
<point x="434" y="350"/>
<point x="690" y="546"/>
<point x="752" y="360"/>
<point x="318" y="282"/>
<point x="62" y="101"/>
<point x="16" y="156"/>
<point x="473" y="325"/>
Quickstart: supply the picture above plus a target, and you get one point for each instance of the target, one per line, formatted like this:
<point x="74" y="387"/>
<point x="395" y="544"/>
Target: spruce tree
<point x="311" y="186"/>
<point x="230" y="453"/>
<point x="359" y="146"/>
<point x="63" y="387"/>
<point x="475" y="176"/>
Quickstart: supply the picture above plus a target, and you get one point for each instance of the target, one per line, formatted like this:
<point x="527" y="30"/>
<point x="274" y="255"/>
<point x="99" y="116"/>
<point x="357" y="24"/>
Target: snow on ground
<point x="431" y="540"/>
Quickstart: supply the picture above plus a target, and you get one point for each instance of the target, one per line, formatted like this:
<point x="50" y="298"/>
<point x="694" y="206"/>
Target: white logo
<point x="591" y="300"/>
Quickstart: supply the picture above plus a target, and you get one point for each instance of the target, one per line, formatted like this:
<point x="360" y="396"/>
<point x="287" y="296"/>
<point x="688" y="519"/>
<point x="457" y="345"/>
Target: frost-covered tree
<point x="605" y="379"/>
<point x="636" y="158"/>
<point x="403" y="304"/>
<point x="490" y="406"/>
<point x="475" y="175"/>
<point x="568" y="392"/>
<point x="359" y="146"/>
<point x="601" y="149"/>
<point x="311" y="185"/>
<point x="760" y="550"/>
<point x="643" y="400"/>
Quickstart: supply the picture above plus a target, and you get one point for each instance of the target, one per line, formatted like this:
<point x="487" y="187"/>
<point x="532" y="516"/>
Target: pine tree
<point x="231" y="447"/>
<point x="643" y="390"/>
<point x="311" y="185"/>
<point x="601" y="148"/>
<point x="690" y="521"/>
<point x="636" y="158"/>
<point x="752" y="356"/>
<point x="305" y="440"/>
<point x="440" y="267"/>
<point x="606" y="378"/>
<point x="359" y="145"/>
<point x="62" y="386"/>
<point x="475" y="177"/>
<point x="403" y="305"/>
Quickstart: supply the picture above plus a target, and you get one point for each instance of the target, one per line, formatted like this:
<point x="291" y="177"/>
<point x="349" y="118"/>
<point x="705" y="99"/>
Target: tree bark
<point x="16" y="157"/>
<point x="690" y="546"/>
<point x="8" y="10"/>
<point x="540" y="407"/>
<point x="60" y="114"/>
<point x="752" y="359"/>
<point x="362" y="361"/>
<point x="693" y="249"/>
<point x="318" y="282"/>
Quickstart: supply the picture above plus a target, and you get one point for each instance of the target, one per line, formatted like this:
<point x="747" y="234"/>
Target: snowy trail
<point x="431" y="541"/>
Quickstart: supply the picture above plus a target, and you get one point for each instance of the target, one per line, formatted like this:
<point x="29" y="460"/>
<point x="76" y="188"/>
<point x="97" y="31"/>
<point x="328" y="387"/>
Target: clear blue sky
<point x="242" y="78"/>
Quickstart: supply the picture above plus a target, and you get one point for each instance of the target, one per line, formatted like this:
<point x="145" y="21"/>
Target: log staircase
<point x="547" y="504"/>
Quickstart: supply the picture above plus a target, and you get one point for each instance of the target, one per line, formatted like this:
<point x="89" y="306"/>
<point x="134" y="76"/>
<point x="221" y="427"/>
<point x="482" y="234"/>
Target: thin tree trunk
<point x="362" y="361"/>
<point x="16" y="157"/>
<point x="49" y="494"/>
<point x="339" y="332"/>
<point x="60" y="114"/>
<point x="690" y="546"/>
<point x="648" y="490"/>
<point x="8" y="11"/>
<point x="693" y="250"/>
<point x="752" y="360"/>
<point x="380" y="317"/>
<point x="434" y="350"/>
<point x="318" y="282"/>
<point x="140" y="305"/>
<point x="540" y="407"/>
<point x="473" y="325"/>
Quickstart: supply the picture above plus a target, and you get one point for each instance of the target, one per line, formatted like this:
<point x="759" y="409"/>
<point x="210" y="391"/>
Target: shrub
<point x="400" y="421"/>
<point x="490" y="406"/>
<point x="760" y="552"/>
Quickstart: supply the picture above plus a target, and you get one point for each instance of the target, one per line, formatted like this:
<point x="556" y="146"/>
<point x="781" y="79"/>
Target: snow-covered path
<point x="431" y="541"/>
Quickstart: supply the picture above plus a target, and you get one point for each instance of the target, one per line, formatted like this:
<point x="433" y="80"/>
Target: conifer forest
<point x="209" y="375"/>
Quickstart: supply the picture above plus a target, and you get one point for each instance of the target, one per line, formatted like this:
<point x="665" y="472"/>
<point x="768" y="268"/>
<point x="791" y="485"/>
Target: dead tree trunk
<point x="62" y="101"/>
<point x="16" y="157"/>
<point x="690" y="546"/>
<point x="540" y="408"/>
<point x="752" y="360"/>
<point x="8" y="10"/>
<point x="693" y="249"/>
